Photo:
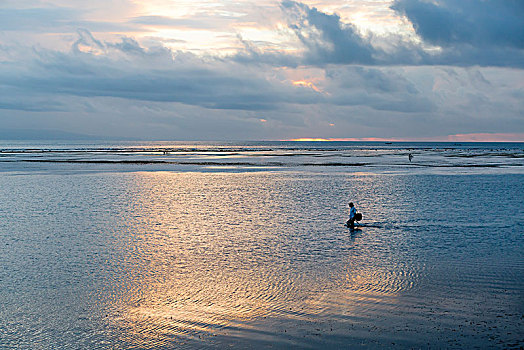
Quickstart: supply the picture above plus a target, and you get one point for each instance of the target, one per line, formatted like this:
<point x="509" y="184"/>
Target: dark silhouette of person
<point x="352" y="212"/>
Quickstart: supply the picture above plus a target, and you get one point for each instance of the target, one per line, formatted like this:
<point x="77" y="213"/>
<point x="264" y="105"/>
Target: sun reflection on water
<point x="208" y="253"/>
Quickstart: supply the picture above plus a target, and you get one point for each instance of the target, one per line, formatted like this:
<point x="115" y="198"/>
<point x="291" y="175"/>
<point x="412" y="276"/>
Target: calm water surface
<point x="260" y="259"/>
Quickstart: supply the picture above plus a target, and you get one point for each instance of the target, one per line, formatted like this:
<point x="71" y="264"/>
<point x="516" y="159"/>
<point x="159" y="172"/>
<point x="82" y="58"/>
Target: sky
<point x="428" y="70"/>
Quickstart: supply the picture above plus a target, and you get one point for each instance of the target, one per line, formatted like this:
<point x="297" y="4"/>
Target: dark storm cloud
<point x="470" y="32"/>
<point x="327" y="39"/>
<point x="492" y="23"/>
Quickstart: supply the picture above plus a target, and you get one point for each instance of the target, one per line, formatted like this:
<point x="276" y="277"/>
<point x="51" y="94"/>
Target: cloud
<point x="125" y="69"/>
<point x="129" y="71"/>
<point x="32" y="19"/>
<point x="380" y="89"/>
<point x="469" y="32"/>
<point x="491" y="23"/>
<point x="455" y="33"/>
<point x="204" y="21"/>
<point x="32" y="106"/>
<point x="325" y="37"/>
<point x="57" y="19"/>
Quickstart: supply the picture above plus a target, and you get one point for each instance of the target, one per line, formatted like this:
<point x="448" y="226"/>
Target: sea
<point x="242" y="245"/>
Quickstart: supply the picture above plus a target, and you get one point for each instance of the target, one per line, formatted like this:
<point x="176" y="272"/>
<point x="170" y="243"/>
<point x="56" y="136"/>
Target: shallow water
<point x="148" y="259"/>
<point x="370" y="157"/>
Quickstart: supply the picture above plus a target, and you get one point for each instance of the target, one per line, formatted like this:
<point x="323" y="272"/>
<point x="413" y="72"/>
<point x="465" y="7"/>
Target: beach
<point x="243" y="245"/>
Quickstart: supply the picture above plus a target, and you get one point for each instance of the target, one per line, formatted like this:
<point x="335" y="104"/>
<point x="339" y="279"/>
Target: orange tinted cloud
<point x="306" y="84"/>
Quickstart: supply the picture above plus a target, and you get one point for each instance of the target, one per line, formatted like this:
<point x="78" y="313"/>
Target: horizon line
<point x="473" y="137"/>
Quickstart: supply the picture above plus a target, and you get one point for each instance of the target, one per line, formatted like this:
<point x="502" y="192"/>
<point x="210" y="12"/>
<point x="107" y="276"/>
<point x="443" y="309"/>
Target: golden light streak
<point x="487" y="137"/>
<point x="307" y="84"/>
<point x="308" y="139"/>
<point x="475" y="137"/>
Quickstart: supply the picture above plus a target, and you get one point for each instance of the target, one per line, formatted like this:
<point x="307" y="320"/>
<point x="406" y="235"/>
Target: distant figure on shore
<point x="410" y="156"/>
<point x="352" y="213"/>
